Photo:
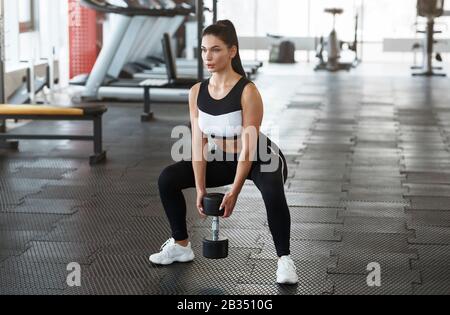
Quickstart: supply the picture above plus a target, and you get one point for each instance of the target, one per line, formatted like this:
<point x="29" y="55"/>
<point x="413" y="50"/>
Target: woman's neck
<point x="224" y="78"/>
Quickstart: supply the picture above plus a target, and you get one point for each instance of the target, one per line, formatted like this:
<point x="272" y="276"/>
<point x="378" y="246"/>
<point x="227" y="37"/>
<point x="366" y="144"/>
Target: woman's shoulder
<point x="249" y="86"/>
<point x="250" y="93"/>
<point x="246" y="79"/>
<point x="199" y="85"/>
<point x="194" y="92"/>
<point x="195" y="88"/>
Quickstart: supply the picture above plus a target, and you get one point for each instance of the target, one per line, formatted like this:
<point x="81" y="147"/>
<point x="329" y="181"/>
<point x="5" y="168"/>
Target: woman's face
<point x="215" y="53"/>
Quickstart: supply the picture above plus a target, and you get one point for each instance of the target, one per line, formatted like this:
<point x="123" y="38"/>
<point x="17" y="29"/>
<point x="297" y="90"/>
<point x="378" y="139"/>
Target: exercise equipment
<point x="173" y="80"/>
<point x="282" y="51"/>
<point x="333" y="47"/>
<point x="31" y="85"/>
<point x="430" y="9"/>
<point x="169" y="67"/>
<point x="137" y="34"/>
<point x="214" y="247"/>
<point x="125" y="62"/>
<point x="92" y="113"/>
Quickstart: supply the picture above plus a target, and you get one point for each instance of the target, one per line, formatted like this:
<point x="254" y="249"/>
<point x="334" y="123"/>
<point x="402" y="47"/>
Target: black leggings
<point x="180" y="176"/>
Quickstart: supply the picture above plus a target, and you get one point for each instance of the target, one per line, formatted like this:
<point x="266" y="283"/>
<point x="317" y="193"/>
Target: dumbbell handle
<point x="215" y="229"/>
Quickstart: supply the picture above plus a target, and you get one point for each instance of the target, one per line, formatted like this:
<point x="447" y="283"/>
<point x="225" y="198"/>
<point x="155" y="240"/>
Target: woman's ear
<point x="233" y="51"/>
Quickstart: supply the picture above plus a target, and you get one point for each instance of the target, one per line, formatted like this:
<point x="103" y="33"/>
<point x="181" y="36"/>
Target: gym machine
<point x="333" y="47"/>
<point x="430" y="9"/>
<point x="281" y="51"/>
<point x="137" y="35"/>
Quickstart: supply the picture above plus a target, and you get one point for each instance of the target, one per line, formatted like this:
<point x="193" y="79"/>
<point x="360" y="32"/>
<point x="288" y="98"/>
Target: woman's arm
<point x="252" y="115"/>
<point x="199" y="141"/>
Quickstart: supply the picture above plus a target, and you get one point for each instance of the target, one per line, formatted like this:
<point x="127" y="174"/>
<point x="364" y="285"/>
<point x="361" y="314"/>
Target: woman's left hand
<point x="229" y="203"/>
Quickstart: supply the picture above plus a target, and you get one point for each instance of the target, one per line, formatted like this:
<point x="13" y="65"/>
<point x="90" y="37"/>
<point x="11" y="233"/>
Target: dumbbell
<point x="214" y="247"/>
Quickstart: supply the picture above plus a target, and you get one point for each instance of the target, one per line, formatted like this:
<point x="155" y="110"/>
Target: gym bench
<point x="39" y="112"/>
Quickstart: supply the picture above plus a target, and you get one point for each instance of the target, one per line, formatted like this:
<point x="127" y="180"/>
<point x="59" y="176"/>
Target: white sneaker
<point x="287" y="272"/>
<point x="172" y="252"/>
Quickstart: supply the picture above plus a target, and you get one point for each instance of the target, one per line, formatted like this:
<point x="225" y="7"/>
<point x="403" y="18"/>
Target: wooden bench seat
<point x="92" y="113"/>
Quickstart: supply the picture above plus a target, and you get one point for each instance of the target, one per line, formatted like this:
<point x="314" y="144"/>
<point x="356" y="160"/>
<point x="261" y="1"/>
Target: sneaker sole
<point x="174" y="261"/>
<point x="288" y="282"/>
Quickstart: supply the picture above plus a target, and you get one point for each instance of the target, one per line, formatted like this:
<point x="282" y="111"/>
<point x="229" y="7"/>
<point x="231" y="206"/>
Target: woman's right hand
<point x="200" y="195"/>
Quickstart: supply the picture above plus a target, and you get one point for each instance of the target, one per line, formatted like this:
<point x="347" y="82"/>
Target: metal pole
<point x="98" y="146"/>
<point x="309" y="29"/>
<point x="215" y="229"/>
<point x="363" y="9"/>
<point x="3" y="143"/>
<point x="430" y="44"/>
<point x="215" y="11"/>
<point x="2" y="68"/>
<point x="199" y="8"/>
<point x="105" y="58"/>
<point x="255" y="26"/>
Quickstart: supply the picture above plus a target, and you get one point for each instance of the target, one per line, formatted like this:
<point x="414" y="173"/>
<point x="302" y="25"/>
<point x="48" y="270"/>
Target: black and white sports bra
<point x="221" y="118"/>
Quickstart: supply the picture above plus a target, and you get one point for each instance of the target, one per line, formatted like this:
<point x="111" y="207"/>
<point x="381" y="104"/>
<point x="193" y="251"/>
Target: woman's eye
<point x="213" y="50"/>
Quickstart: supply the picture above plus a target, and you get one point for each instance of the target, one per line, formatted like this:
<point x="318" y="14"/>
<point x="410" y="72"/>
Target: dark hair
<point x="226" y="31"/>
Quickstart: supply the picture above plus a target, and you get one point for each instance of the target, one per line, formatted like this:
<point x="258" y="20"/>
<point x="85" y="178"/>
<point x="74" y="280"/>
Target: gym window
<point x="26" y="16"/>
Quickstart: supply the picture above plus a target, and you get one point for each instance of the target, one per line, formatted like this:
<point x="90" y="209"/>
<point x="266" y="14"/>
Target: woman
<point x="226" y="108"/>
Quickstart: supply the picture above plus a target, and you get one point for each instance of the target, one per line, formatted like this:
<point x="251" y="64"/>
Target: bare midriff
<point x="229" y="145"/>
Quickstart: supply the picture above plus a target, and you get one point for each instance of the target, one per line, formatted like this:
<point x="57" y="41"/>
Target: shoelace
<point x="166" y="243"/>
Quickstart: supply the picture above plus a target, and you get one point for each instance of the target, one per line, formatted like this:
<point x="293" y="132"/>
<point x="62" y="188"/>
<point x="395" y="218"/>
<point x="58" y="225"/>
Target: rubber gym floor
<point x="368" y="155"/>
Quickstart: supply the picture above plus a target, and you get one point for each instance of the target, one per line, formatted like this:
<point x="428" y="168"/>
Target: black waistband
<point x="269" y="148"/>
